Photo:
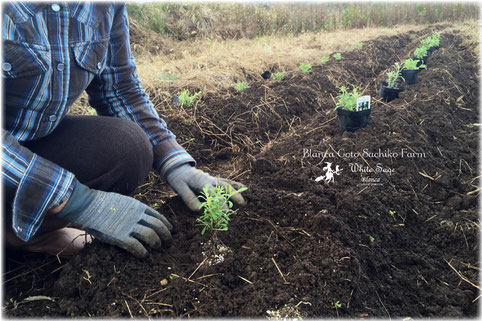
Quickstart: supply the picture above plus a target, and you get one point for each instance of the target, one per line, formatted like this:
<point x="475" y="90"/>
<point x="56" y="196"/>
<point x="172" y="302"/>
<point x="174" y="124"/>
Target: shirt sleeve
<point x="118" y="92"/>
<point x="34" y="183"/>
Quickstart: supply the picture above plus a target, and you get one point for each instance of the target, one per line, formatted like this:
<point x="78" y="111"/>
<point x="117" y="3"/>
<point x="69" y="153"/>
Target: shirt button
<point x="99" y="65"/>
<point x="52" y="118"/>
<point x="6" y="66"/>
<point x="60" y="67"/>
<point x="55" y="7"/>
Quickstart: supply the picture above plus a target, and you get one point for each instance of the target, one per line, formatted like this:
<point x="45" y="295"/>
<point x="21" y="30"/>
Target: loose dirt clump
<point x="395" y="235"/>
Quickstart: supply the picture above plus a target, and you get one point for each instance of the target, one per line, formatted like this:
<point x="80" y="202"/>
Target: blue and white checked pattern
<point x="52" y="52"/>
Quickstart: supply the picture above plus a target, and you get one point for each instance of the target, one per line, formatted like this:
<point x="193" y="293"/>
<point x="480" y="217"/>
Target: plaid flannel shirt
<point x="52" y="52"/>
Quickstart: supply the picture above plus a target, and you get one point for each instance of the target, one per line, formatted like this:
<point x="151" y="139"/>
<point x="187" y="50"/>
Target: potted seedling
<point x="390" y="89"/>
<point x="410" y="71"/>
<point x="353" y="109"/>
<point x="216" y="210"/>
<point x="421" y="54"/>
<point x="432" y="43"/>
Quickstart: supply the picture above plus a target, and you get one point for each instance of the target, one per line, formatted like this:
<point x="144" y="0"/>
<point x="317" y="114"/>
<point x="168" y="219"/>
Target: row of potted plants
<point x="354" y="110"/>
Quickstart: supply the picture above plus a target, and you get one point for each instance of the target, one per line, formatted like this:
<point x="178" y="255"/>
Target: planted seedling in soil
<point x="305" y="67"/>
<point x="390" y="89"/>
<point x="410" y="70"/>
<point x="394" y="75"/>
<point x="353" y="110"/>
<point x="348" y="100"/>
<point x="358" y="46"/>
<point x="241" y="86"/>
<point x="324" y="59"/>
<point x="186" y="99"/>
<point x="216" y="210"/>
<point x="337" y="56"/>
<point x="278" y="76"/>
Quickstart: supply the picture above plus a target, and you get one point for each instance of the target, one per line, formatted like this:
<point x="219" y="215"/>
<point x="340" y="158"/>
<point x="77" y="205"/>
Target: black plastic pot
<point x="425" y="60"/>
<point x="387" y="93"/>
<point x="352" y="120"/>
<point x="410" y="76"/>
<point x="432" y="49"/>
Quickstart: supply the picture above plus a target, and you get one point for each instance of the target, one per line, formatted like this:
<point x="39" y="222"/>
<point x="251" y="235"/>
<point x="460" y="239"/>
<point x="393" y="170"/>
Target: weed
<point x="411" y="64"/>
<point x="278" y="76"/>
<point x="394" y="75"/>
<point x="358" y="45"/>
<point x="240" y="86"/>
<point x="324" y="59"/>
<point x="185" y="99"/>
<point x="348" y="100"/>
<point x="167" y="76"/>
<point x="305" y="67"/>
<point x="337" y="56"/>
<point x="336" y="304"/>
<point x="216" y="208"/>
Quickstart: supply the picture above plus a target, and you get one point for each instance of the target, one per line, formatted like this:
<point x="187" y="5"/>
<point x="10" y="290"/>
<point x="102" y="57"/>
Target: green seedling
<point x="305" y="67"/>
<point x="420" y="52"/>
<point x="337" y="56"/>
<point x="186" y="99"/>
<point x="278" y="76"/>
<point x="358" y="46"/>
<point x="336" y="305"/>
<point x="411" y="64"/>
<point x="324" y="59"/>
<point x="216" y="208"/>
<point x="372" y="239"/>
<point x="394" y="75"/>
<point x="241" y="86"/>
<point x="346" y="99"/>
<point x="432" y="41"/>
<point x="392" y="213"/>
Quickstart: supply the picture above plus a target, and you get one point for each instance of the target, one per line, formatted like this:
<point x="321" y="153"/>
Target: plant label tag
<point x="363" y="103"/>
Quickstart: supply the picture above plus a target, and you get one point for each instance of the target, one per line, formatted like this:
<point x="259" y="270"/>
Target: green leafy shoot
<point x="372" y="239"/>
<point x="358" y="45"/>
<point x="432" y="41"/>
<point x="346" y="99"/>
<point x="186" y="99"/>
<point x="337" y="56"/>
<point x="241" y="86"/>
<point x="420" y="52"/>
<point x="411" y="64"/>
<point x="324" y="59"/>
<point x="305" y="67"/>
<point x="336" y="304"/>
<point x="278" y="76"/>
<point x="394" y="75"/>
<point x="392" y="213"/>
<point x="216" y="208"/>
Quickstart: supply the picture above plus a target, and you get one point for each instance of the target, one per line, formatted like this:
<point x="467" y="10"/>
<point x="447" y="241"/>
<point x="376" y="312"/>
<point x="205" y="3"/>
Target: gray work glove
<point x="116" y="219"/>
<point x="187" y="181"/>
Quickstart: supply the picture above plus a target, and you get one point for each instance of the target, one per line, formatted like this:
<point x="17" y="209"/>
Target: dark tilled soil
<point x="405" y="245"/>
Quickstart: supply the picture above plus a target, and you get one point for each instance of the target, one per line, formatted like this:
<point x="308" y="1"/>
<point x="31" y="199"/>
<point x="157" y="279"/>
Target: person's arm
<point x="35" y="185"/>
<point x="118" y="92"/>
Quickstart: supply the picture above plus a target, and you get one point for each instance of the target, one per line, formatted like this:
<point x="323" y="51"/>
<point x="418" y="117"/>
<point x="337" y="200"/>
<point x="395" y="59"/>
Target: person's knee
<point x="135" y="159"/>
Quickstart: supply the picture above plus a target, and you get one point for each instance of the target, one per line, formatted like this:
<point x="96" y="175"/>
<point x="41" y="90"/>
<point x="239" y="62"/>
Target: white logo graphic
<point x="330" y="174"/>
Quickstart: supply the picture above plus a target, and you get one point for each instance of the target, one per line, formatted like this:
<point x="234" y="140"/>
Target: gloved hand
<point x="116" y="219"/>
<point x="187" y="181"/>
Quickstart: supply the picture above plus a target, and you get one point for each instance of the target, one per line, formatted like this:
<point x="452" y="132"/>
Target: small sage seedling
<point x="347" y="99"/>
<point x="186" y="99"/>
<point x="372" y="239"/>
<point x="278" y="76"/>
<point x="392" y="213"/>
<point x="305" y="67"/>
<point x="324" y="59"/>
<point x="216" y="208"/>
<point x="337" y="56"/>
<point x="394" y="75"/>
<point x="241" y="86"/>
<point x="336" y="304"/>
